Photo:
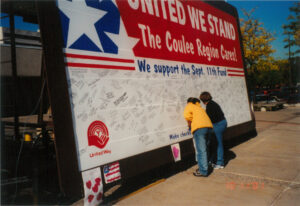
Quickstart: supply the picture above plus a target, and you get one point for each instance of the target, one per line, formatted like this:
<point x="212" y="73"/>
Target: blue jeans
<point x="219" y="129"/>
<point x="200" y="136"/>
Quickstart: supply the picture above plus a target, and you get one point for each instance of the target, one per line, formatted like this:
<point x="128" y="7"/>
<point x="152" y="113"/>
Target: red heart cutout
<point x="175" y="152"/>
<point x="97" y="180"/>
<point x="90" y="198"/>
<point x="99" y="196"/>
<point x="95" y="188"/>
<point x="89" y="184"/>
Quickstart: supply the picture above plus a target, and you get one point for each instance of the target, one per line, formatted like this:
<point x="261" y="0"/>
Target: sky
<point x="19" y="23"/>
<point x="272" y="14"/>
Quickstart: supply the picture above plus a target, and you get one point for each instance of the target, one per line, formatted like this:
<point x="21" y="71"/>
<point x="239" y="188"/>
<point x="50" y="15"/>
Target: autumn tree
<point x="257" y="48"/>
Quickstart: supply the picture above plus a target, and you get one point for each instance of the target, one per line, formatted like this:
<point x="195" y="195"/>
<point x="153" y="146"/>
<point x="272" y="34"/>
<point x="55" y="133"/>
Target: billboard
<point x="132" y="64"/>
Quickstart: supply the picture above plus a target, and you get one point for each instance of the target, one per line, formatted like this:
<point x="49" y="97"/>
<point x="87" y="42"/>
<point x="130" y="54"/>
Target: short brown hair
<point x="205" y="97"/>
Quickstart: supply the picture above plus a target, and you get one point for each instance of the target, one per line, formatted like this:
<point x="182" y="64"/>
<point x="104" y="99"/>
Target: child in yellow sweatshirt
<point x="200" y="125"/>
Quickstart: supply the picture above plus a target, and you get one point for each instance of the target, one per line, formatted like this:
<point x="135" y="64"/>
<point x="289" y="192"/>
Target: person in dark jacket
<point x="219" y="122"/>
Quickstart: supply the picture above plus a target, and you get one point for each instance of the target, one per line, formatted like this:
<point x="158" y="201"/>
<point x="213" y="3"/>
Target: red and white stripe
<point x="98" y="62"/>
<point x="113" y="174"/>
<point x="236" y="72"/>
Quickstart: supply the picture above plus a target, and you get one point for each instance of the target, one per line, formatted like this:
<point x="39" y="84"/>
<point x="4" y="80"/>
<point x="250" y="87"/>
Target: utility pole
<point x="14" y="67"/>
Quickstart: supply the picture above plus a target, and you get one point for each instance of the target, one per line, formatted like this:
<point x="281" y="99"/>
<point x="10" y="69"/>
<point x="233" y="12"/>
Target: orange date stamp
<point x="251" y="185"/>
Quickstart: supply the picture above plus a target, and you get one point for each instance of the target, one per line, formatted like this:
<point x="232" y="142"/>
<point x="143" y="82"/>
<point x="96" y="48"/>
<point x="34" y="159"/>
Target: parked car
<point x="290" y="95"/>
<point x="263" y="102"/>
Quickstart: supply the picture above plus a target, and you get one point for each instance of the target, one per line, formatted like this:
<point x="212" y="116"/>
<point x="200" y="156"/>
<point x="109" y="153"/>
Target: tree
<point x="272" y="74"/>
<point x="257" y="48"/>
<point x="284" y="71"/>
<point x="268" y="74"/>
<point x="292" y="30"/>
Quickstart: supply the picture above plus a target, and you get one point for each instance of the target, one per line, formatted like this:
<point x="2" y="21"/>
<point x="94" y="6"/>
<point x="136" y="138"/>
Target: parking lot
<point x="265" y="170"/>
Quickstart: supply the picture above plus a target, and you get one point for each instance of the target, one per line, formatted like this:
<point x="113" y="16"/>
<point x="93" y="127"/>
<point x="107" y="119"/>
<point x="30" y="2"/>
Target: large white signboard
<point x="132" y="65"/>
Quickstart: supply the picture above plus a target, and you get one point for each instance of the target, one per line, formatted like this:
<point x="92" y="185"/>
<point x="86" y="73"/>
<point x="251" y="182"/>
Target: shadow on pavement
<point x="124" y="188"/>
<point x="228" y="156"/>
<point x="128" y="186"/>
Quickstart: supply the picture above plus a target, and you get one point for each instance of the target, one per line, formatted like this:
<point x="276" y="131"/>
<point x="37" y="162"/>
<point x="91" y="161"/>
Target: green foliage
<point x="256" y="40"/>
<point x="257" y="51"/>
<point x="295" y="70"/>
<point x="284" y="69"/>
<point x="292" y="40"/>
<point x="263" y="70"/>
<point x="271" y="73"/>
<point x="292" y="31"/>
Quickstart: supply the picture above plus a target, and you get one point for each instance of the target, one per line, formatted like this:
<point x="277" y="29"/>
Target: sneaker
<point x="198" y="174"/>
<point x="216" y="167"/>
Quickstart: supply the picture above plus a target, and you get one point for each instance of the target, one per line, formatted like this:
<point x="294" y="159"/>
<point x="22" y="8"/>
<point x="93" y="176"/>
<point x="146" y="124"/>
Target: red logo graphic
<point x="98" y="134"/>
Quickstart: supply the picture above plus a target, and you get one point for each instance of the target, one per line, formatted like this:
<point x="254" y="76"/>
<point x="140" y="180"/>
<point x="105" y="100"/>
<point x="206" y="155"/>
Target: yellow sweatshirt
<point x="197" y="116"/>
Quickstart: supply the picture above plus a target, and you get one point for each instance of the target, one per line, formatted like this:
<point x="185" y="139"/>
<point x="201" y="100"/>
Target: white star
<point x="82" y="20"/>
<point x="113" y="1"/>
<point x="123" y="41"/>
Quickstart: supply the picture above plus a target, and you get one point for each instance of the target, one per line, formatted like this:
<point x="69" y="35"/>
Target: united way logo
<point x="97" y="134"/>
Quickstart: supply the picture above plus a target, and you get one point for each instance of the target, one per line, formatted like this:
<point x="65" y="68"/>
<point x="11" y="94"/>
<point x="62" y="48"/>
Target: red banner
<point x="186" y="31"/>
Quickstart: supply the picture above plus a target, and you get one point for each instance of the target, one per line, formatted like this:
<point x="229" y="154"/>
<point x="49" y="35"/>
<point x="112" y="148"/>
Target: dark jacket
<point x="214" y="112"/>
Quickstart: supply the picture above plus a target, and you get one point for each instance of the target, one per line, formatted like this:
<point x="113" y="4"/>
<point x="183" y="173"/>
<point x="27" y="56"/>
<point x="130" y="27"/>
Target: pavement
<point x="265" y="171"/>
